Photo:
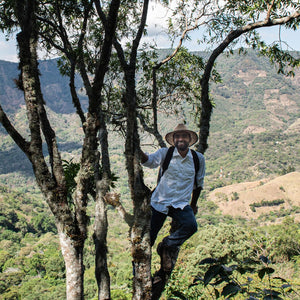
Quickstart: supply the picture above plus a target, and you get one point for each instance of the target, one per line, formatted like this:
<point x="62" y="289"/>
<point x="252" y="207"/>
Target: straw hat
<point x="181" y="128"/>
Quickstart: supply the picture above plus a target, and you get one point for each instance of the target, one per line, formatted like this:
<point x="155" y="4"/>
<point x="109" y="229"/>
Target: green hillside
<point x="253" y="150"/>
<point x="255" y="122"/>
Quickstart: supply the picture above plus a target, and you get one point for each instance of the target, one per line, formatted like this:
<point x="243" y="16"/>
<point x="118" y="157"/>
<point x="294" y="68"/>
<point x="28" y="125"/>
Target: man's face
<point x="181" y="140"/>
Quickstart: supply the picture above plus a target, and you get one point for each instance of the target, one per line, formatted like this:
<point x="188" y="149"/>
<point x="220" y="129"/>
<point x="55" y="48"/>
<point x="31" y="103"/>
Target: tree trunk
<point x="140" y="231"/>
<point x="141" y="252"/>
<point x="100" y="240"/>
<point x="101" y="223"/>
<point x="73" y="257"/>
<point x="72" y="233"/>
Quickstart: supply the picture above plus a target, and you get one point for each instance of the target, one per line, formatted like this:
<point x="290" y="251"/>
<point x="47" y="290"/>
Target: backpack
<point x="168" y="158"/>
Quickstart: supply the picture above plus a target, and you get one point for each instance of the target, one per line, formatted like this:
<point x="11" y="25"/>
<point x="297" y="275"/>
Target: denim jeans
<point x="186" y="225"/>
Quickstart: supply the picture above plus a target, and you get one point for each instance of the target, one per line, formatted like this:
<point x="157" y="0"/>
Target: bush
<point x="252" y="279"/>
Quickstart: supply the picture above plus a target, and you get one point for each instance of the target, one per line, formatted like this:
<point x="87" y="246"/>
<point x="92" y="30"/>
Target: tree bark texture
<point x="100" y="241"/>
<point x="103" y="183"/>
<point x="140" y="194"/>
<point x="101" y="223"/>
<point x="52" y="184"/>
<point x="140" y="231"/>
<point x="73" y="257"/>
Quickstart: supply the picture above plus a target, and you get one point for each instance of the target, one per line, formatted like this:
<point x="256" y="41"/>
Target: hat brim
<point x="194" y="137"/>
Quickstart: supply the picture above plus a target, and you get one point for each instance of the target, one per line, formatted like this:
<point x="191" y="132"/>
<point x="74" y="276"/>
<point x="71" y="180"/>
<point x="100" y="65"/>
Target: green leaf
<point x="208" y="261"/>
<point x="217" y="293"/>
<point x="211" y="273"/>
<point x="179" y="295"/>
<point x="264" y="259"/>
<point x="230" y="289"/>
<point x="264" y="271"/>
<point x="196" y="281"/>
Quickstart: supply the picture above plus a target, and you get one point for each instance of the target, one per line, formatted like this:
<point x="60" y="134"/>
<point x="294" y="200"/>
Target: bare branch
<point x="114" y="200"/>
<point x="15" y="135"/>
<point x="102" y="66"/>
<point x="138" y="37"/>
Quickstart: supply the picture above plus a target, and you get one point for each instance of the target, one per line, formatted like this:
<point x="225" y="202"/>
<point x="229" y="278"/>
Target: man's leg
<point x="186" y="226"/>
<point x="157" y="221"/>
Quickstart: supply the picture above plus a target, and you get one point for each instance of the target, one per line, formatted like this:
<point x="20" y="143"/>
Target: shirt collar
<point x="176" y="153"/>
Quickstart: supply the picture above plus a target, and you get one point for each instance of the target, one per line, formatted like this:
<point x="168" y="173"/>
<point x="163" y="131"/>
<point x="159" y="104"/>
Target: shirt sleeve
<point x="201" y="172"/>
<point x="155" y="159"/>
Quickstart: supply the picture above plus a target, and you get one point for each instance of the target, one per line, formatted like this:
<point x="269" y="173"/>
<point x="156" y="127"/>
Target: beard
<point x="182" y="146"/>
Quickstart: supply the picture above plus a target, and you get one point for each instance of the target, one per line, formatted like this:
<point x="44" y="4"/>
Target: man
<point x="172" y="195"/>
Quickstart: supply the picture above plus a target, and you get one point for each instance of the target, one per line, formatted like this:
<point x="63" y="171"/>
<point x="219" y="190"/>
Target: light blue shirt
<point x="176" y="185"/>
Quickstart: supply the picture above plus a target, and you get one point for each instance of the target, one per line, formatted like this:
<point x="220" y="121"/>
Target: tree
<point x="71" y="222"/>
<point x="244" y="18"/>
<point x="225" y="23"/>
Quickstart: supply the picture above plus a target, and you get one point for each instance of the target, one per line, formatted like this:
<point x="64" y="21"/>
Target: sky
<point x="156" y="32"/>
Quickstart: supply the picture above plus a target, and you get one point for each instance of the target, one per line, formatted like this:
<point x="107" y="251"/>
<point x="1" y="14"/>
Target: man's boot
<point x="168" y="256"/>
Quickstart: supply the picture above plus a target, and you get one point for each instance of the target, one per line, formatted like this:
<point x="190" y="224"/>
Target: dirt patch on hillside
<point x="250" y="75"/>
<point x="295" y="127"/>
<point x="253" y="130"/>
<point x="236" y="199"/>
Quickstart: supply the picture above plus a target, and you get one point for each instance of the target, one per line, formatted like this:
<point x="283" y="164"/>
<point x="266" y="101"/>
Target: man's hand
<point x="143" y="156"/>
<point x="195" y="196"/>
<point x="195" y="209"/>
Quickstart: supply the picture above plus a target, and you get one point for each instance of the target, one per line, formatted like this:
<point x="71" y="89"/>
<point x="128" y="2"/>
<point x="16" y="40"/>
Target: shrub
<point x="221" y="281"/>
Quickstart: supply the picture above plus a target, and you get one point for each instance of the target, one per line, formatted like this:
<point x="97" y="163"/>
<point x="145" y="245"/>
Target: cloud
<point x="8" y="50"/>
<point x="157" y="24"/>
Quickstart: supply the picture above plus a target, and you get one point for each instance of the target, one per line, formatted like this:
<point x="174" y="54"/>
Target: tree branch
<point x="114" y="200"/>
<point x="205" y="101"/>
<point x="154" y="131"/>
<point x="138" y="37"/>
<point x="102" y="66"/>
<point x="15" y="135"/>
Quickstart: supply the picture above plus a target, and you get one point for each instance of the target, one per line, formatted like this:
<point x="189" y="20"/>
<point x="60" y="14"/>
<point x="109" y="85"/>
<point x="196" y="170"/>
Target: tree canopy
<point x="127" y="84"/>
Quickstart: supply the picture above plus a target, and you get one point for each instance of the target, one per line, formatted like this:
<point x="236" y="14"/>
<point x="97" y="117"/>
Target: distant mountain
<point x="55" y="88"/>
<point x="254" y="127"/>
<point x="255" y="124"/>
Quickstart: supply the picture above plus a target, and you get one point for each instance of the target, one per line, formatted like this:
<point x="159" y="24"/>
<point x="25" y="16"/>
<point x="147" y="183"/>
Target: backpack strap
<point x="196" y="165"/>
<point x="167" y="160"/>
<point x="166" y="163"/>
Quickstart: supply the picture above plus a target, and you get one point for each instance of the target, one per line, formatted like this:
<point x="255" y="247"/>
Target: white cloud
<point x="8" y="50"/>
<point x="157" y="22"/>
<point x="157" y="19"/>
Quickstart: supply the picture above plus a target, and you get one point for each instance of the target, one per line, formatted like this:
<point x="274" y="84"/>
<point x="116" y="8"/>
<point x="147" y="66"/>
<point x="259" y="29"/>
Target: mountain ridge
<point x="255" y="123"/>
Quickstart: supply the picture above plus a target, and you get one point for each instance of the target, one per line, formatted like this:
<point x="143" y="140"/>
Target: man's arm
<point x="195" y="196"/>
<point x="144" y="157"/>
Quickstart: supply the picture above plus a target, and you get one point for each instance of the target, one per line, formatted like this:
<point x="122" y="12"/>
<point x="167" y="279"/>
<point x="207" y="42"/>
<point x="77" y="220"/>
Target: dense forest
<point x="259" y="141"/>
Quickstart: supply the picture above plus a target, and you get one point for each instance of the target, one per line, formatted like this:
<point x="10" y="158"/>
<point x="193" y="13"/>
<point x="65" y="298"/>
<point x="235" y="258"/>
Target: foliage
<point x="217" y="240"/>
<point x="230" y="281"/>
<point x="281" y="242"/>
<point x="35" y="271"/>
<point x="78" y="48"/>
<point x="15" y="219"/>
<point x="177" y="82"/>
<point x="71" y="170"/>
<point x="263" y="203"/>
